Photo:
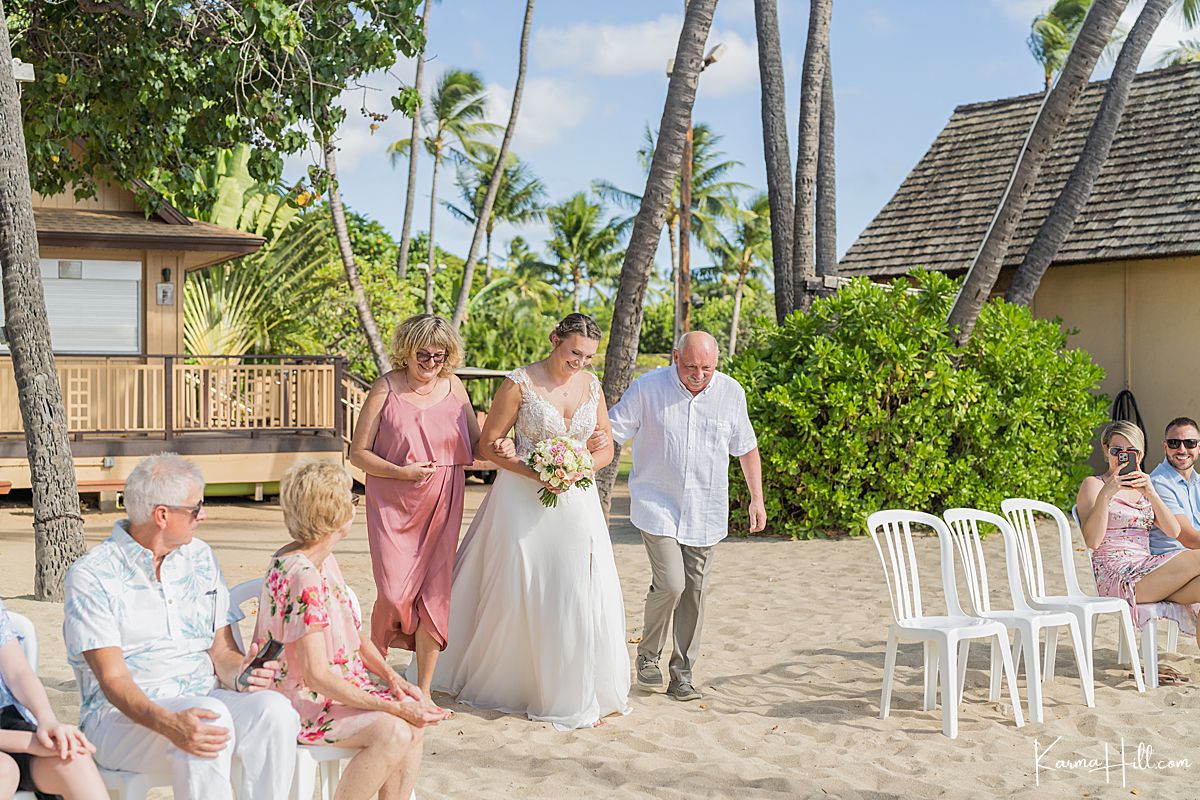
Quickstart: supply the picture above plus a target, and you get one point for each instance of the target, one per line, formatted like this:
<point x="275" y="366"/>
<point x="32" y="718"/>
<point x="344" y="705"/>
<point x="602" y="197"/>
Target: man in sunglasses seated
<point x="1178" y="484"/>
<point x="147" y="627"/>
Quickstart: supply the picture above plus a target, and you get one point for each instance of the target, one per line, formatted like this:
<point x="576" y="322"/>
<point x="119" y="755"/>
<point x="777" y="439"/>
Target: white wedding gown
<point x="537" y="623"/>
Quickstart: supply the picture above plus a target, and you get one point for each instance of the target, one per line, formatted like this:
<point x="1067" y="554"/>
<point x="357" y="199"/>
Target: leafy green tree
<point x="520" y="198"/>
<point x="1053" y="32"/>
<point x="455" y="128"/>
<point x="150" y="89"/>
<point x="525" y="283"/>
<point x="1186" y="52"/>
<point x="583" y="242"/>
<point x="743" y="253"/>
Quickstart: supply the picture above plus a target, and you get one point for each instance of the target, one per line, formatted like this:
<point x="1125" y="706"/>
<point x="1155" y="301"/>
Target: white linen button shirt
<point x="164" y="629"/>
<point x="679" y="486"/>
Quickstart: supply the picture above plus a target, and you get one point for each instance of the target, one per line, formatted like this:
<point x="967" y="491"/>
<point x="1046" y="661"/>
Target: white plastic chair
<point x="320" y="761"/>
<point x="941" y="636"/>
<point x="1022" y="514"/>
<point x="1149" y="638"/>
<point x="1027" y="622"/>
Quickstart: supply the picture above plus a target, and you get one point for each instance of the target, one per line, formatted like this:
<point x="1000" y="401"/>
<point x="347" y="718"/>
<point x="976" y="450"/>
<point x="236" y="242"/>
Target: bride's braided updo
<point x="576" y="325"/>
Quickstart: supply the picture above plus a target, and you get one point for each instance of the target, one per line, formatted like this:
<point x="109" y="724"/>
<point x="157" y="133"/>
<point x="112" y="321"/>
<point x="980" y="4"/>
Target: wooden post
<point x="169" y="398"/>
<point x="339" y="398"/>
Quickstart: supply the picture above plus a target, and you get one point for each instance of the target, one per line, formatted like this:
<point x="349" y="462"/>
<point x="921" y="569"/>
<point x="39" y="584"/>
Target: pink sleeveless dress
<point x="413" y="526"/>
<point x="1123" y="558"/>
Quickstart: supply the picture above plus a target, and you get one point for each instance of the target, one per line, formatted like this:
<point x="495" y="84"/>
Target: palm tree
<point x="1047" y="125"/>
<point x="57" y="522"/>
<point x="1078" y="188"/>
<point x="582" y="240"/>
<point x="410" y="193"/>
<point x="621" y="354"/>
<point x="1053" y="32"/>
<point x="1186" y="52"/>
<point x="714" y="199"/>
<point x="520" y="199"/>
<point x="454" y="127"/>
<point x="528" y="282"/>
<point x="744" y="253"/>
<point x="812" y="78"/>
<point x="776" y="152"/>
<point x="826" y="201"/>
<point x="464" y="292"/>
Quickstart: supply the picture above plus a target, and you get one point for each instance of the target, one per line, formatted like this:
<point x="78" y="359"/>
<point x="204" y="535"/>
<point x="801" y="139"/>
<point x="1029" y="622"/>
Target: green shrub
<point x="859" y="406"/>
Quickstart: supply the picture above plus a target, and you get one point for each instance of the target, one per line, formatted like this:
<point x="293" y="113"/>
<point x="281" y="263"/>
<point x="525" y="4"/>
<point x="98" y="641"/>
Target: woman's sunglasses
<point x="1112" y="451"/>
<point x="1175" y="444"/>
<point x="436" y="358"/>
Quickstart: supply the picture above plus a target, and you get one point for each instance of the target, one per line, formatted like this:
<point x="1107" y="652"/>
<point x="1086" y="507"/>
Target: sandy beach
<point x="791" y="669"/>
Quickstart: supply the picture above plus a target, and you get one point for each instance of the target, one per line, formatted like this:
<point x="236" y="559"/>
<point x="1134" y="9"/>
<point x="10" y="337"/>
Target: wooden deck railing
<point x="172" y="395"/>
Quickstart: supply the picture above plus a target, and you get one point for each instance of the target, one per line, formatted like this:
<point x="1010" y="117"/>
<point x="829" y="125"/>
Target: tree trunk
<point x="576" y="280"/>
<point x="811" y="79"/>
<point x="1047" y="125"/>
<point x="431" y="264"/>
<point x="57" y="523"/>
<point x="737" y="311"/>
<point x="673" y="244"/>
<point x="826" y="214"/>
<point x="776" y="153"/>
<point x="342" y="234"/>
<point x="410" y="196"/>
<point x="489" y="199"/>
<point x="628" y="307"/>
<point x="1058" y="223"/>
<point x="683" y="281"/>
<point x="487" y="258"/>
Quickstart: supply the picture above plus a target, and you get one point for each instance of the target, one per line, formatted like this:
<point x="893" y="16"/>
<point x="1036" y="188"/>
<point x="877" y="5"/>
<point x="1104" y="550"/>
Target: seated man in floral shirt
<point x="147" y="631"/>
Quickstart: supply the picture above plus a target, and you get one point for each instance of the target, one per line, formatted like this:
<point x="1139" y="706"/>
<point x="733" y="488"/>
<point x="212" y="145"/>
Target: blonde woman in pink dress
<point x="339" y="684"/>
<point x="1116" y="514"/>
<point x="415" y="436"/>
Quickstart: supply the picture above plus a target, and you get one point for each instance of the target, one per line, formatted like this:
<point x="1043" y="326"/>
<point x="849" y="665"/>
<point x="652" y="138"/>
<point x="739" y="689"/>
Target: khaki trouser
<point x="679" y="575"/>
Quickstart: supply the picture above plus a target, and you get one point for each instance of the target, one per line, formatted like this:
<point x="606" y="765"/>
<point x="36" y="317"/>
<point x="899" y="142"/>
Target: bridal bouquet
<point x="563" y="463"/>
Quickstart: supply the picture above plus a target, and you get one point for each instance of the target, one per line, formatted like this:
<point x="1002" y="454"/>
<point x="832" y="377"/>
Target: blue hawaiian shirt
<point x="164" y="628"/>
<point x="8" y="633"/>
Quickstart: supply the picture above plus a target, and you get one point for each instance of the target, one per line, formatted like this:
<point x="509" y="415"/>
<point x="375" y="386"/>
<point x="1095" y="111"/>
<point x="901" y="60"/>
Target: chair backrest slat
<point x="964" y="526"/>
<point x="891" y="531"/>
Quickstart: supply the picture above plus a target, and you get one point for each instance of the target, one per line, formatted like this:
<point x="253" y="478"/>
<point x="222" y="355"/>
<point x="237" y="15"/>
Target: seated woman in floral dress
<point x="326" y="665"/>
<point x="1116" y="513"/>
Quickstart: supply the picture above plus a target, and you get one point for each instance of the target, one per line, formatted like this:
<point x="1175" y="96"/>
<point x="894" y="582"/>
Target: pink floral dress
<point x="1123" y="558"/>
<point x="297" y="599"/>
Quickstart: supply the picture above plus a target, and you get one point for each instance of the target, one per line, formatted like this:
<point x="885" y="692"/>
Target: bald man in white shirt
<point x="685" y="421"/>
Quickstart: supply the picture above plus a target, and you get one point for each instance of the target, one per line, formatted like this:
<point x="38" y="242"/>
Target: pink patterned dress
<point x="298" y="598"/>
<point x="1123" y="558"/>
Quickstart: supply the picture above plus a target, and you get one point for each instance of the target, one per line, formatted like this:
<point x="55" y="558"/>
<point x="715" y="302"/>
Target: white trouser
<point x="264" y="727"/>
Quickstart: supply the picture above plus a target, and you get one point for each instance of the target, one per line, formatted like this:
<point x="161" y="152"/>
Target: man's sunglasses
<point x="193" y="510"/>
<point x="1175" y="444"/>
<point x="436" y="358"/>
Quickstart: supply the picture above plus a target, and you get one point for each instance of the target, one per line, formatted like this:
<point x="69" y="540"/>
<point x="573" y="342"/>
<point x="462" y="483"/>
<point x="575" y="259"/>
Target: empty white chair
<point x="941" y="635"/>
<point x="1022" y="514"/>
<point x="1026" y="621"/>
<point x="1153" y="612"/>
<point x="312" y="761"/>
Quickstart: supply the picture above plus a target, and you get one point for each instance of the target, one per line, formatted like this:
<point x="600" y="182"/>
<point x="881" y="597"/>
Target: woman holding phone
<point x="1116" y="512"/>
<point x="326" y="666"/>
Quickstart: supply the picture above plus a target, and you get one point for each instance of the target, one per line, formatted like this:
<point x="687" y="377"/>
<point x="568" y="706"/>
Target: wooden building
<point x="114" y="281"/>
<point x="1127" y="276"/>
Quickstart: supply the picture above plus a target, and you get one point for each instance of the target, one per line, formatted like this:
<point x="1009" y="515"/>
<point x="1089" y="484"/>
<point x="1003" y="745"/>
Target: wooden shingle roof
<point x="1146" y="202"/>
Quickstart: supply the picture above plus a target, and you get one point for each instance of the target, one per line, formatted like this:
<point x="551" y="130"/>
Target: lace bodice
<point x="538" y="419"/>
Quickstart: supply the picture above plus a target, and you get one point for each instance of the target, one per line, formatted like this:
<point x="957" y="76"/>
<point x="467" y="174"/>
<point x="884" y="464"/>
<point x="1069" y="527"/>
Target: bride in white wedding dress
<point x="537" y="623"/>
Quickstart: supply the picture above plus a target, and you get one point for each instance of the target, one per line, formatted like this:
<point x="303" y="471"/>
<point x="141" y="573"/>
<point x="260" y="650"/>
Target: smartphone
<point x="269" y="651"/>
<point x="1128" y="461"/>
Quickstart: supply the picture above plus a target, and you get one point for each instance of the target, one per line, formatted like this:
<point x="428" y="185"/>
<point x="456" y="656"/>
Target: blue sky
<point x="596" y="78"/>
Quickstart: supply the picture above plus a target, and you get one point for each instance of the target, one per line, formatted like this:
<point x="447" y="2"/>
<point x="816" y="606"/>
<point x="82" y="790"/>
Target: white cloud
<point x="1022" y="10"/>
<point x="878" y="21"/>
<point x="643" y="48"/>
<point x="549" y="108"/>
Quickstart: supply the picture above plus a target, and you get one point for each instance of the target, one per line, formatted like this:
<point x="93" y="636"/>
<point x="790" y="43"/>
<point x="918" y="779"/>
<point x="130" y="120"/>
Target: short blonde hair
<point x="315" y="498"/>
<point x="426" y="330"/>
<point x="1127" y="429"/>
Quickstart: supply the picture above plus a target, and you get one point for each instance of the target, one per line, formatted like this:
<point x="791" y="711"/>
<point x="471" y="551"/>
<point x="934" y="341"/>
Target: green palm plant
<point x="520" y="198"/>
<point x="714" y="198"/>
<point x="1053" y="32"/>
<point x="583" y="241"/>
<point x="1186" y="52"/>
<point x="455" y="128"/>
<point x="742" y="253"/>
<point x="526" y="284"/>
